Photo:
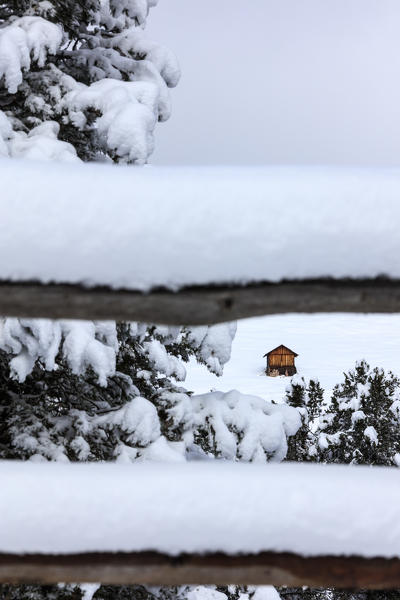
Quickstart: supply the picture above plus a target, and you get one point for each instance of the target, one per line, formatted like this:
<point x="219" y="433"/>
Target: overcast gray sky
<point x="282" y="81"/>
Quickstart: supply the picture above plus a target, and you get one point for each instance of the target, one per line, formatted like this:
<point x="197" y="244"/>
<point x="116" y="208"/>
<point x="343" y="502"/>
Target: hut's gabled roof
<point x="281" y="350"/>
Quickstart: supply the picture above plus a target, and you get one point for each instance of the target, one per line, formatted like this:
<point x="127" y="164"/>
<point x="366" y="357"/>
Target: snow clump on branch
<point x="89" y="68"/>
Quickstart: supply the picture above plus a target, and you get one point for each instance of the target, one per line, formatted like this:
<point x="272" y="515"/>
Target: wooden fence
<point x="158" y="569"/>
<point x="201" y="306"/>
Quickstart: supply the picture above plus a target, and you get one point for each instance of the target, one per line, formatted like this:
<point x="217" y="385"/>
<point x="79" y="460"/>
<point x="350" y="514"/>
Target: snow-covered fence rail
<point x="152" y="568"/>
<point x="196" y="246"/>
<point x="199" y="305"/>
<point x="218" y="523"/>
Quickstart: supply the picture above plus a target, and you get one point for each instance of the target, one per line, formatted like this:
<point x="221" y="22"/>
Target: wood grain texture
<point x="199" y="306"/>
<point x="158" y="569"/>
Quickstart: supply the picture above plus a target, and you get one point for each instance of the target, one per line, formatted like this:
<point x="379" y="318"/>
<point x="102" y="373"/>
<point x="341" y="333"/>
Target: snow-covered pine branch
<point x="94" y="345"/>
<point x="88" y="68"/>
<point x="85" y="390"/>
<point x="26" y="41"/>
<point x="359" y="424"/>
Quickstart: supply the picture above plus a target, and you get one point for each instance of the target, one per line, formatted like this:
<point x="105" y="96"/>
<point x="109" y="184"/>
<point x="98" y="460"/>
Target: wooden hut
<point x="280" y="361"/>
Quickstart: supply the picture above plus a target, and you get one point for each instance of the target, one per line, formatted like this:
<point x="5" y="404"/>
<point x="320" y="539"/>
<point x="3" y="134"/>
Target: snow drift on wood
<point x="195" y="226"/>
<point x="211" y="507"/>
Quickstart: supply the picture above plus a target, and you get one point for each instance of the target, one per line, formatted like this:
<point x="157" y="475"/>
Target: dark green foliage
<point x="321" y="594"/>
<point x="33" y="104"/>
<point x="361" y="425"/>
<point x="315" y="395"/>
<point x="76" y="15"/>
<point x="123" y="592"/>
<point x="305" y="594"/>
<point x="13" y="9"/>
<point x="53" y="404"/>
<point x="39" y="592"/>
<point x="308" y="400"/>
<point x="94" y="41"/>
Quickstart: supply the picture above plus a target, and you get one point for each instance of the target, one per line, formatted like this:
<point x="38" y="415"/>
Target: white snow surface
<point x="327" y="344"/>
<point x="200" y="507"/>
<point x="142" y="228"/>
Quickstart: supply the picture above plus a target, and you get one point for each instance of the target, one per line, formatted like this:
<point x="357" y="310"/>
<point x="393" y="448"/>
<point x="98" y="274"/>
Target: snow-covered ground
<point x="327" y="345"/>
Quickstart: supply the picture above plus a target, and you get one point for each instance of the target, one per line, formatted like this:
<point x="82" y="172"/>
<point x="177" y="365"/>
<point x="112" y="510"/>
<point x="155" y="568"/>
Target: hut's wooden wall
<point x="281" y="360"/>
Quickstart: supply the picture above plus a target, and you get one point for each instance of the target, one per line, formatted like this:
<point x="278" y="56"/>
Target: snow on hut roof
<point x="282" y="350"/>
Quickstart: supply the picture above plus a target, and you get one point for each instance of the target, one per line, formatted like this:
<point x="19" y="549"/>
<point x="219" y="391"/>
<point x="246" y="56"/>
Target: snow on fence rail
<point x="100" y="242"/>
<point x="213" y="522"/>
<point x="198" y="246"/>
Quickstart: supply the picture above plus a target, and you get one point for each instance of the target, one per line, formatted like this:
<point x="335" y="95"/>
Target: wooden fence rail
<point x="337" y="524"/>
<point x="158" y="569"/>
<point x="199" y="305"/>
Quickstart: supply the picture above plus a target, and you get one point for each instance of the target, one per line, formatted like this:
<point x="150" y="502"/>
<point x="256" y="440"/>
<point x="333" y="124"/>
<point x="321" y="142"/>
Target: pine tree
<point x="361" y="425"/>
<point x="333" y="594"/>
<point x="307" y="399"/>
<point x="79" y="79"/>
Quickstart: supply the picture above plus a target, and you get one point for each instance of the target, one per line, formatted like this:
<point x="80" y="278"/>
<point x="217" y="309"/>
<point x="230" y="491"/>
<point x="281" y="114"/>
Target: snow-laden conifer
<point x="362" y="424"/>
<point x="87" y="71"/>
<point x="307" y="399"/>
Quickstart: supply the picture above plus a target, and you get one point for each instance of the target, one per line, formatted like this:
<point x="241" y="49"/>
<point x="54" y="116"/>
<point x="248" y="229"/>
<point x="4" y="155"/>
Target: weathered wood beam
<point x="201" y="305"/>
<point x="158" y="569"/>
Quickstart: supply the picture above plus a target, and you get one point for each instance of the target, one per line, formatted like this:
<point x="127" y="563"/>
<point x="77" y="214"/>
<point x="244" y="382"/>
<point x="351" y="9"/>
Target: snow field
<point x="327" y="344"/>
